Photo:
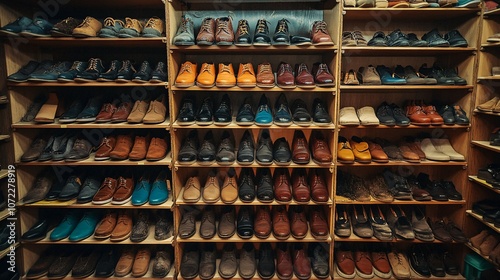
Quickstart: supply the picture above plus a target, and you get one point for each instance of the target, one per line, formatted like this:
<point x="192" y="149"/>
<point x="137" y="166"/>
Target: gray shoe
<point x="39" y="190"/>
<point x="207" y="261"/>
<point x="185" y="33"/>
<point x="162" y="263"/>
<point x="65" y="147"/>
<point x="228" y="264"/>
<point x="190" y="261"/>
<point x="81" y="150"/>
<point x="140" y="230"/>
<point x="207" y="228"/>
<point x="399" y="223"/>
<point x="225" y="152"/>
<point x="71" y="188"/>
<point x="370" y="75"/>
<point x="381" y="229"/>
<point x="248" y="264"/>
<point x="360" y="222"/>
<point x="163" y="226"/>
<point x="34" y="108"/>
<point x="319" y="259"/>
<point x="421" y="228"/>
<point x="89" y="189"/>
<point x="264" y="154"/>
<point x="187" y="228"/>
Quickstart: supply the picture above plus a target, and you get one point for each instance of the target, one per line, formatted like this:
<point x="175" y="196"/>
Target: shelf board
<point x="258" y="89"/>
<point x="4" y="173"/>
<point x="90" y="161"/>
<point x="311" y="164"/>
<point x="476" y="111"/>
<point x="109" y="4"/>
<point x="468" y="245"/>
<point x="235" y="238"/>
<point x="494" y="12"/>
<point x="214" y="49"/>
<point x="488" y="78"/>
<point x="180" y="201"/>
<point x="7" y="250"/>
<point x="234" y="125"/>
<point x="405" y="163"/>
<point x="91" y="42"/>
<point x="400" y="51"/>
<point x="344" y="200"/>
<point x="4" y="214"/>
<point x="455" y="126"/>
<point x="367" y="14"/>
<point x="4" y="137"/>
<point x="56" y="124"/>
<point x="413" y="276"/>
<point x="483" y="183"/>
<point x="402" y="88"/>
<point x="354" y="238"/>
<point x="479" y="218"/>
<point x="486" y="145"/>
<point x="85" y="84"/>
<point x="91" y="240"/>
<point x="488" y="45"/>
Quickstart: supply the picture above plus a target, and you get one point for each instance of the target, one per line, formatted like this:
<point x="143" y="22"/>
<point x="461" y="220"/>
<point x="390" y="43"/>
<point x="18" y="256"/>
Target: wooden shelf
<point x="180" y="201"/>
<point x="91" y="42"/>
<point x="224" y="50"/>
<point x="258" y="89"/>
<point x="355" y="238"/>
<point x="405" y="163"/>
<point x="4" y="137"/>
<point x="488" y="78"/>
<point x="404" y="51"/>
<point x="476" y="111"/>
<point x="234" y="125"/>
<point x="487" y="45"/>
<point x="90" y="161"/>
<point x="484" y="257"/>
<point x="91" y="240"/>
<point x="486" y="145"/>
<point x="483" y="183"/>
<point x="6" y="251"/>
<point x="4" y="214"/>
<point x="494" y="12"/>
<point x="4" y="173"/>
<point x="235" y="238"/>
<point x="85" y="84"/>
<point x="413" y="276"/>
<point x="479" y="218"/>
<point x="455" y="126"/>
<point x="402" y="88"/>
<point x="344" y="200"/>
<point x="109" y="4"/>
<point x="406" y="14"/>
<point x="56" y="124"/>
<point x="311" y="164"/>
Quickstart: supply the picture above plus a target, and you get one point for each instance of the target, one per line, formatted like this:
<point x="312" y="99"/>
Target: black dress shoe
<point x="243" y="37"/>
<point x="244" y="227"/>
<point x="360" y="222"/>
<point x="246" y="150"/>
<point x="63" y="264"/>
<point x="300" y="114"/>
<point x="434" y="188"/>
<point x="300" y="40"/>
<point x="342" y="222"/>
<point x="460" y="116"/>
<point x="451" y="191"/>
<point x="206" y="154"/>
<point x="4" y="237"/>
<point x="447" y="114"/>
<point x="223" y="115"/>
<point x="450" y="264"/>
<point x="186" y="113"/>
<point x="41" y="266"/>
<point x="189" y="148"/>
<point x="55" y="190"/>
<point x="399" y="115"/>
<point x="205" y="113"/>
<point x="264" y="185"/>
<point x="281" y="33"/>
<point x="436" y="263"/>
<point x="261" y="37"/>
<point x="264" y="154"/>
<point x="418" y="260"/>
<point x="246" y="190"/>
<point x="266" y="267"/>
<point x="37" y="232"/>
<point x="281" y="152"/>
<point x="282" y="114"/>
<point x="190" y="261"/>
<point x="320" y="114"/>
<point x="245" y="116"/>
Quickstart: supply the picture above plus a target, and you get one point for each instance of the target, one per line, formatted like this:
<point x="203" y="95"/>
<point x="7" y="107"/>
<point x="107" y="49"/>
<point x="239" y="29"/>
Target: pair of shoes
<point x="420" y="113"/>
<point x="76" y="226"/>
<point x="364" y="150"/>
<point x="447" y="231"/>
<point x="363" y="116"/>
<point x="427" y="261"/>
<point x="362" y="262"/>
<point x="353" y="38"/>
<point x="487" y="243"/>
<point x="440" y="150"/>
<point x="155" y="193"/>
<point x="113" y="28"/>
<point x="23" y="26"/>
<point x="396" y="39"/>
<point x="490" y="105"/>
<point x="218" y="30"/>
<point x="122" y="147"/>
<point x="446" y="76"/>
<point x="137" y="263"/>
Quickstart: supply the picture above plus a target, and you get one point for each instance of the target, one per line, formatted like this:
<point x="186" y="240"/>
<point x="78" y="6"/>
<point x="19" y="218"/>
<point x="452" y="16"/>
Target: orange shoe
<point x="226" y="77"/>
<point x="206" y="78"/>
<point x="187" y="75"/>
<point x="246" y="75"/>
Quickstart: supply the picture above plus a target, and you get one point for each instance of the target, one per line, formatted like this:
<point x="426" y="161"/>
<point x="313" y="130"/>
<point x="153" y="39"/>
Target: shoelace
<point x="222" y="26"/>
<point x="144" y="67"/>
<point x="225" y="68"/>
<point x="245" y="68"/>
<point x="187" y="106"/>
<point x="151" y="22"/>
<point x="206" y="26"/>
<point x="320" y="26"/>
<point x="246" y="145"/>
<point x="261" y="26"/>
<point x="86" y="22"/>
<point x="108" y="183"/>
<point x="225" y="145"/>
<point x="243" y="27"/>
<point x="206" y="145"/>
<point x="223" y="107"/>
<point x="93" y="65"/>
<point x="282" y="26"/>
<point x="109" y="22"/>
<point x="122" y="183"/>
<point x="283" y="107"/>
<point x="183" y="27"/>
<point x="265" y="68"/>
<point x="285" y="68"/>
<point x="185" y="68"/>
<point x="263" y="108"/>
<point x="160" y="66"/>
<point x="206" y="68"/>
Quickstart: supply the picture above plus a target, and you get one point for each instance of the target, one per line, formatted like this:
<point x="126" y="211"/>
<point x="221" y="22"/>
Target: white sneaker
<point x="444" y="146"/>
<point x="431" y="152"/>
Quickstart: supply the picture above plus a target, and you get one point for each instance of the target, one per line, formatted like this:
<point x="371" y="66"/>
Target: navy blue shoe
<point x="75" y="109"/>
<point x="15" y="27"/>
<point x="94" y="69"/>
<point x="264" y="116"/>
<point x="91" y="110"/>
<point x="159" y="75"/>
<point x="245" y="115"/>
<point x="112" y="72"/>
<point x="282" y="115"/>
<point x="51" y="74"/>
<point x="144" y="74"/>
<point x="70" y="75"/>
<point x="126" y="72"/>
<point x="24" y="73"/>
<point x="38" y="28"/>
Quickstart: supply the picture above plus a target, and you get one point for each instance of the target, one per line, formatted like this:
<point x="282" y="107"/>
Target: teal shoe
<point x="111" y="28"/>
<point x="387" y="78"/>
<point x="86" y="226"/>
<point x="159" y="191"/>
<point x="141" y="191"/>
<point x="264" y="116"/>
<point x="66" y="226"/>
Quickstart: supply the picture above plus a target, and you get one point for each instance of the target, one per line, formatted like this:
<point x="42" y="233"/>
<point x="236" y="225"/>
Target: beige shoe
<point x="133" y="28"/>
<point x="495" y="38"/>
<point x="211" y="190"/>
<point x="90" y="27"/>
<point x="489" y="105"/>
<point x="141" y="262"/>
<point x="399" y="264"/>
<point x="138" y="111"/>
<point x="351" y="78"/>
<point x="229" y="192"/>
<point x="192" y="189"/>
<point x="48" y="110"/>
<point x="444" y="146"/>
<point x="381" y="3"/>
<point x="370" y="75"/>
<point x="431" y="153"/>
<point x="157" y="111"/>
<point x="496" y="109"/>
<point x="495" y="71"/>
<point x="348" y="116"/>
<point x="154" y="28"/>
<point x="367" y="116"/>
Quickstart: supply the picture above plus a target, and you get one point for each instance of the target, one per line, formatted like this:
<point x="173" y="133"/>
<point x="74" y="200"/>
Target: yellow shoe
<point x="344" y="151"/>
<point x="226" y="77"/>
<point x="187" y="75"/>
<point x="246" y="75"/>
<point x="206" y="78"/>
<point x="360" y="150"/>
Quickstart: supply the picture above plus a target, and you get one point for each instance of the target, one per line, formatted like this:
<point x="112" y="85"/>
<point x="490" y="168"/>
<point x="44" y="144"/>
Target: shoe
<point x="157" y="110"/>
<point x="261" y="37"/>
<point x="345" y="153"/>
<point x="77" y="68"/>
<point x="187" y="110"/>
<point x="224" y="34"/>
<point x="245" y="223"/>
<point x="367" y="116"/>
<point x="351" y="78"/>
<point x="281" y="152"/>
<point x="39" y="27"/>
<point x="264" y="152"/>
<point x="246" y="150"/>
<point x="298" y="226"/>
<point x="435" y="39"/>
<point x="140" y="195"/>
<point x="399" y="223"/>
<point x="363" y="264"/>
<point x="207" y="226"/>
<point x="303" y="78"/>
<point x="15" y="27"/>
<point x="360" y="149"/>
<point x="300" y="115"/>
<point x="319" y="149"/>
<point x="246" y="76"/>
<point x="51" y="74"/>
<point x="206" y="35"/>
<point x="245" y="114"/>
<point x="187" y="227"/>
<point x="431" y="113"/>
<point x="438" y="74"/>
<point x="247" y="264"/>
<point x="141" y="262"/>
<point x="125" y="73"/>
<point x="399" y="264"/>
<point x="385" y="115"/>
<point x="264" y="190"/>
<point x="206" y="77"/>
<point x="410" y="75"/>
<point x="159" y="192"/>
<point x="124" y="189"/>
<point x="348" y="116"/>
<point x="223" y="115"/>
<point x="320" y="113"/>
<point x="282" y="186"/>
<point x="93" y="71"/>
<point x="144" y="73"/>
<point x="88" y="28"/>
<point x="225" y="76"/>
<point x="282" y="115"/>
<point x="140" y="230"/>
<point x="455" y="38"/>
<point x="86" y="226"/>
<point x="301" y="262"/>
<point x="387" y="78"/>
<point x="281" y="224"/>
<point x="154" y="28"/>
<point x="36" y="232"/>
<point x="24" y="73"/>
<point x="187" y="75"/>
<point x="381" y="229"/>
<point x="91" y="110"/>
<point x="206" y="154"/>
<point x="229" y="190"/>
<point x="159" y="74"/>
<point x="281" y="33"/>
<point x="122" y="148"/>
<point x="421" y="228"/>
<point x="452" y="73"/>
<point x="379" y="189"/>
<point x="190" y="262"/>
<point x="133" y="28"/>
<point x="342" y="222"/>
<point x="319" y="191"/>
<point x="456" y="233"/>
<point x="106" y="191"/>
<point x="397" y="185"/>
<point x="265" y="75"/>
<point x="320" y="35"/>
<point x="226" y="151"/>
<point x="418" y="256"/>
<point x="301" y="191"/>
<point x="111" y="28"/>
<point x="262" y="222"/>
<point x="138" y="112"/>
<point x="81" y="151"/>
<point x="123" y="110"/>
<point x="41" y="267"/>
<point x="360" y="222"/>
<point x="207" y="262"/>
<point x="62" y="264"/>
<point x="246" y="191"/>
<point x="379" y="39"/>
<point x="185" y="33"/>
<point x="266" y="267"/>
<point x="112" y="72"/>
<point x="285" y="78"/>
<point x="439" y="230"/>
<point x="71" y="188"/>
<point x="318" y="223"/>
<point x="397" y="39"/>
<point x="345" y="265"/>
<point x="107" y="227"/>
<point x="192" y="190"/>
<point x="227" y="223"/>
<point x="189" y="149"/>
<point x="444" y="146"/>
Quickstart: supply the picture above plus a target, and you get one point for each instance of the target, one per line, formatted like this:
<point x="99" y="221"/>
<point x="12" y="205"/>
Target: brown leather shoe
<point x="211" y="190"/>
<point x="105" y="192"/>
<point x="105" y="226"/>
<point x="300" y="190"/>
<point x="139" y="149"/>
<point x="318" y="224"/>
<point x="303" y="78"/>
<point x="262" y="224"/>
<point x="229" y="192"/>
<point x="415" y="147"/>
<point x="319" y="34"/>
<point x="106" y="113"/>
<point x="227" y="223"/>
<point x="225" y="76"/>
<point x="282" y="186"/>
<point x="299" y="222"/>
<point x="122" y="148"/>
<point x="107" y="145"/>
<point x="206" y="35"/>
<point x="192" y="190"/>
<point x="187" y="75"/>
<point x="124" y="265"/>
<point x="322" y="75"/>
<point x="284" y="267"/>
<point x="265" y="75"/>
<point x="284" y="76"/>
<point x="281" y="224"/>
<point x="224" y="34"/>
<point x="123" y="227"/>
<point x="122" y="112"/>
<point x="206" y="78"/>
<point x="124" y="190"/>
<point x="408" y="154"/>
<point x="157" y="110"/>
<point x="157" y="149"/>
<point x="319" y="191"/>
<point x="376" y="152"/>
<point x="478" y="239"/>
<point x="364" y="267"/>
<point x="246" y="75"/>
<point x="431" y="113"/>
<point x="138" y="111"/>
<point x="416" y="115"/>
<point x="301" y="263"/>
<point x="300" y="149"/>
<point x="141" y="262"/>
<point x="319" y="147"/>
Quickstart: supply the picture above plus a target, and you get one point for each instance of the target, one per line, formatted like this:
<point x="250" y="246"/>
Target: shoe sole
<point x="222" y="123"/>
<point x="114" y="202"/>
<point x="183" y="85"/>
<point x="202" y="123"/>
<point x="245" y="163"/>
<point x="245" y="123"/>
<point x="343" y="275"/>
<point x="205" y="86"/>
<point x="244" y="85"/>
<point x="282" y="163"/>
<point x="283" y="124"/>
<point x="224" y="85"/>
<point x="265" y="85"/>
<point x="281" y="237"/>
<point x="380" y="274"/>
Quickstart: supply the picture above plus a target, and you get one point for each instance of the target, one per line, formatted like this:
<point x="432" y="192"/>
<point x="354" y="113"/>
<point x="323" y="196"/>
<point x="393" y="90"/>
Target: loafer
<point x="37" y="232"/>
<point x="360" y="222"/>
<point x="15" y="27"/>
<point x="63" y="264"/>
<point x="38" y="28"/>
<point x="86" y="226"/>
<point x="51" y="74"/>
<point x="387" y="78"/>
<point x="41" y="267"/>
<point x="86" y="263"/>
<point x="24" y="73"/>
<point x="107" y="262"/>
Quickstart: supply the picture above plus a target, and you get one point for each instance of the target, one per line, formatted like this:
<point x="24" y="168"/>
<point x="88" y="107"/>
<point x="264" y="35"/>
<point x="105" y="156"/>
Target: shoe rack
<point x="18" y="51"/>
<point x="419" y="21"/>
<point x="272" y="11"/>
<point x="483" y="124"/>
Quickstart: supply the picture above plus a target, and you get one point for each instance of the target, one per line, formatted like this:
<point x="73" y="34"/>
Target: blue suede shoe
<point x="126" y="72"/>
<point x="159" y="75"/>
<point x="468" y="3"/>
<point x="112" y="72"/>
<point x="141" y="191"/>
<point x="38" y="28"/>
<point x="70" y="115"/>
<point x="86" y="226"/>
<point x="15" y="27"/>
<point x="51" y="74"/>
<point x="159" y="191"/>
<point x="111" y="28"/>
<point x="264" y="116"/>
<point x="387" y="78"/>
<point x="94" y="69"/>
<point x="91" y="110"/>
<point x="133" y="28"/>
<point x="24" y="73"/>
<point x="67" y="225"/>
<point x="144" y="73"/>
<point x="89" y="189"/>
<point x="70" y="75"/>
